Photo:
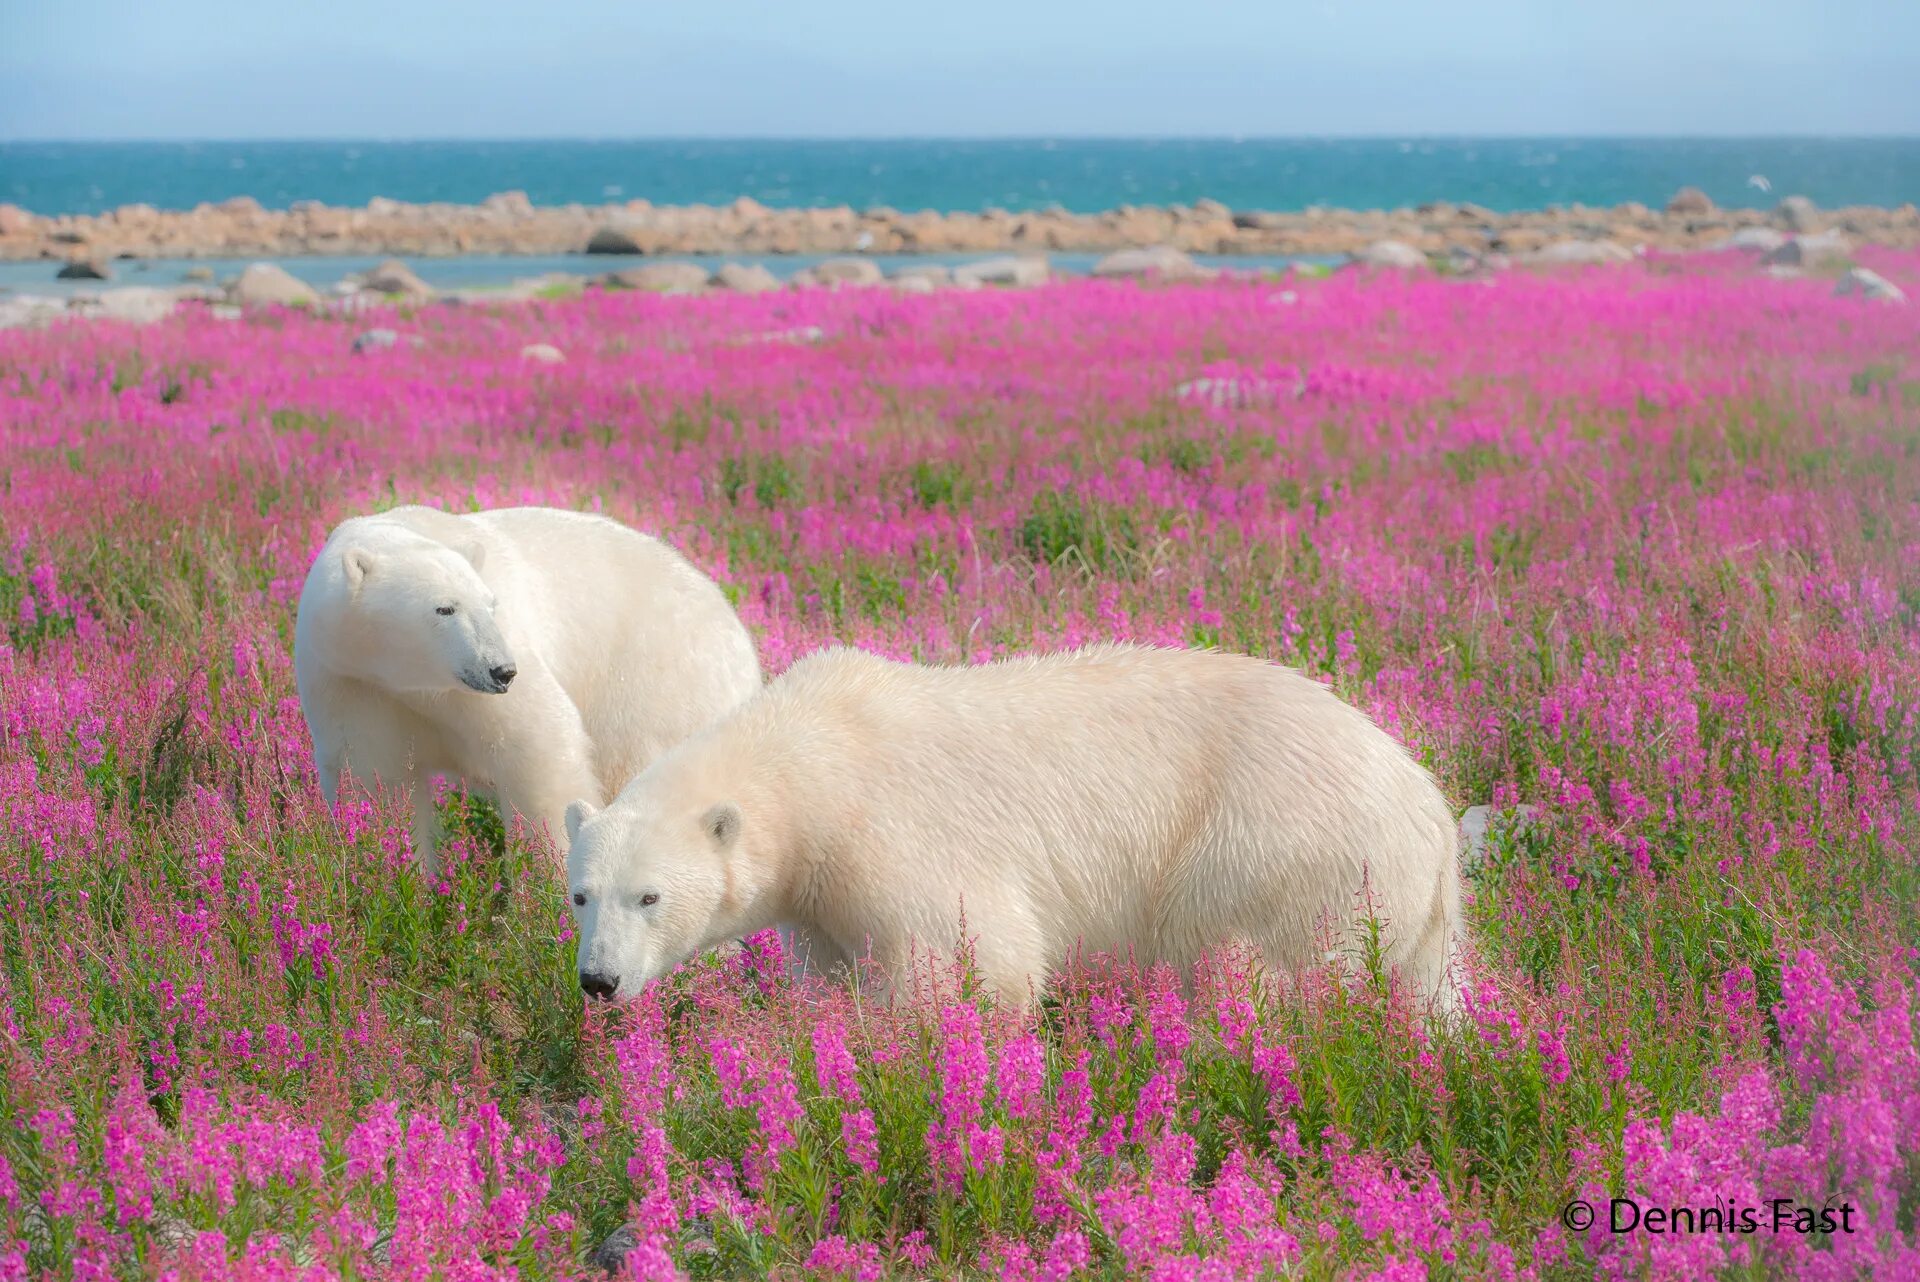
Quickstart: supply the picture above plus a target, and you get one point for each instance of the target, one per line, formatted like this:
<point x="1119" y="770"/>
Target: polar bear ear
<point x="722" y="824"/>
<point x="476" y="554"/>
<point x="579" y="812"/>
<point x="357" y="562"/>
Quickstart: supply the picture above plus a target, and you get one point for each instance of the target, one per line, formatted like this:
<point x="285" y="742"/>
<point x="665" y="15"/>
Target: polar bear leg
<point x="548" y="764"/>
<point x="381" y="746"/>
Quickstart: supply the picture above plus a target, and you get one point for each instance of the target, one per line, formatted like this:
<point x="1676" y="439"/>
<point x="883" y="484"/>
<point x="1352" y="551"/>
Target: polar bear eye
<point x="580" y="900"/>
<point x="443" y="609"/>
<point x="649" y="899"/>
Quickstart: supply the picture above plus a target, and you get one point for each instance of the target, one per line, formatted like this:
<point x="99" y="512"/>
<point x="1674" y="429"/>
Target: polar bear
<point x="534" y="654"/>
<point x="1120" y="799"/>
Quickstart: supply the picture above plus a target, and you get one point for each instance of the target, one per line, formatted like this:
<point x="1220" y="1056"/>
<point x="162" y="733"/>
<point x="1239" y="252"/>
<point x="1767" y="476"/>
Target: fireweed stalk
<point x="1639" y="548"/>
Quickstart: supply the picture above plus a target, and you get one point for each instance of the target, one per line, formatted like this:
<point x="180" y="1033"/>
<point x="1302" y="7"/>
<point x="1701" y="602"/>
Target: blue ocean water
<point x="1081" y="175"/>
<point x="480" y="271"/>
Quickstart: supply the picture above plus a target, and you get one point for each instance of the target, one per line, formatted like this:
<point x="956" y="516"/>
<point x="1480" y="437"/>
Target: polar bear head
<point x="653" y="882"/>
<point x="420" y="618"/>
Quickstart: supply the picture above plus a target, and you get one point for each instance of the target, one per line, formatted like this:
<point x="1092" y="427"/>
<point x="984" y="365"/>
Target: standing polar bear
<point x="1118" y="799"/>
<point x="534" y="654"/>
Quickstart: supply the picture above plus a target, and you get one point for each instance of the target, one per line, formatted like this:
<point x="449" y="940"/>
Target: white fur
<point x="1119" y="799"/>
<point x="622" y="649"/>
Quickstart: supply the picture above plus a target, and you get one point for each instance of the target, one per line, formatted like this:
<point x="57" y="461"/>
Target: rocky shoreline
<point x="508" y="223"/>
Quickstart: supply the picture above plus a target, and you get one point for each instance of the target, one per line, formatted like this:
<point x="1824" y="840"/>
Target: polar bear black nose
<point x="504" y="674"/>
<point x="598" y="985"/>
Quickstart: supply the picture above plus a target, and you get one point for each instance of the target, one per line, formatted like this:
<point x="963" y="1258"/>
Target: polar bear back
<point x="647" y="647"/>
<point x="1120" y="798"/>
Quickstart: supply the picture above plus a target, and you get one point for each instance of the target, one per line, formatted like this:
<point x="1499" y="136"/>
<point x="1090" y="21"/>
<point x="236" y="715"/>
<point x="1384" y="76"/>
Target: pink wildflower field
<point x="1636" y="547"/>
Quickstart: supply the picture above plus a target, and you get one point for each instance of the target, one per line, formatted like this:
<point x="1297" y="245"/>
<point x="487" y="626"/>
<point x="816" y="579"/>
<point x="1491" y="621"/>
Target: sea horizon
<point x="1080" y="173"/>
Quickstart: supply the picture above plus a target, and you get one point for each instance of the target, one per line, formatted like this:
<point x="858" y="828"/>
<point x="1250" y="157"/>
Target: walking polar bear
<point x="534" y="654"/>
<point x="1117" y="799"/>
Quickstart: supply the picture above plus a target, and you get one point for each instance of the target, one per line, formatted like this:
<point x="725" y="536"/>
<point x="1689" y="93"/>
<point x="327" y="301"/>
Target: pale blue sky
<point x="841" y="68"/>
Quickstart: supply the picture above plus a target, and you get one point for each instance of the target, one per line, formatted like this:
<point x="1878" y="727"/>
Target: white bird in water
<point x="1760" y="181"/>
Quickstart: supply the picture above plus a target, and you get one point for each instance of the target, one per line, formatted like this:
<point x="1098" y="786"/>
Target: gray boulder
<point x="1761" y="239"/>
<point x="374" y="340"/>
<point x="931" y="274"/>
<point x="395" y="277"/>
<point x="1690" y="202"/>
<point x="1479" y="827"/>
<point x="1809" y="251"/>
<point x="1009" y="270"/>
<point x="264" y="284"/>
<point x="1396" y="254"/>
<point x="29" y="311"/>
<point x="84" y="269"/>
<point x="613" y="1251"/>
<point x="745" y="278"/>
<point x="137" y="304"/>
<point x="660" y="278"/>
<point x="1162" y="261"/>
<point x="1574" y="253"/>
<point x="847" y="271"/>
<point x="1870" y="285"/>
<point x="1796" y="213"/>
<point x="1237" y="393"/>
<point x="508" y="204"/>
<point x="611" y="239"/>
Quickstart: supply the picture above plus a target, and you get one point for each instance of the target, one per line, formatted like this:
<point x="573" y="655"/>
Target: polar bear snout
<point x="490" y="680"/>
<point x="598" y="986"/>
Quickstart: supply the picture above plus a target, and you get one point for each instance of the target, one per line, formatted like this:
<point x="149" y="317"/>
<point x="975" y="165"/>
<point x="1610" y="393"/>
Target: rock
<point x="508" y="204"/>
<point x="1259" y="220"/>
<point x="802" y="334"/>
<point x="384" y="207"/>
<point x="395" y="277"/>
<point x="1480" y="824"/>
<point x="1022" y="271"/>
<point x="374" y="340"/>
<point x="1691" y="202"/>
<point x="137" y="304"/>
<point x="1871" y="285"/>
<point x="1810" y="251"/>
<point x="847" y="271"/>
<point x="29" y="311"/>
<point x="930" y="274"/>
<point x="542" y="353"/>
<point x="660" y="278"/>
<point x="84" y="269"/>
<point x="264" y="284"/>
<point x="914" y="284"/>
<point x="15" y="221"/>
<point x="745" y="278"/>
<point x="1763" y="239"/>
<point x="1579" y="253"/>
<point x="612" y="240"/>
<point x="224" y="312"/>
<point x="1796" y="213"/>
<point x="613" y="1252"/>
<point x="243" y="205"/>
<point x="1163" y="262"/>
<point x="197" y="273"/>
<point x="1390" y="253"/>
<point x="1237" y="393"/>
